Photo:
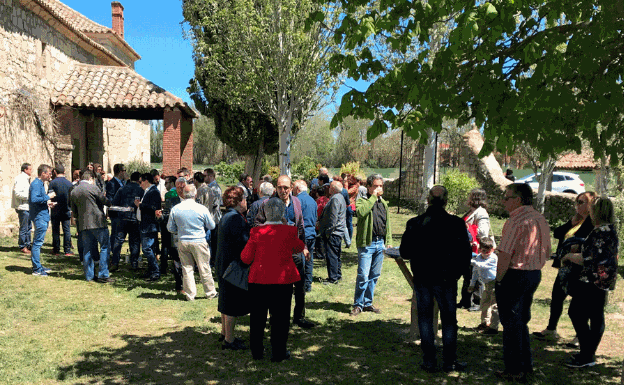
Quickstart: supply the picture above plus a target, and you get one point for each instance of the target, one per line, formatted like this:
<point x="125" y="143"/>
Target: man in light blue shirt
<point x="189" y="221"/>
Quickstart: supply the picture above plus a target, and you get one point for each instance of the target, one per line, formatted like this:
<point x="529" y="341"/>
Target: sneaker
<point x="355" y="311"/>
<point x="46" y="269"/>
<point x="574" y="343"/>
<point x="105" y="280"/>
<point x="578" y="362"/>
<point x="70" y="254"/>
<point x="547" y="334"/>
<point x="212" y="295"/>
<point x="475" y="308"/>
<point x="40" y="273"/>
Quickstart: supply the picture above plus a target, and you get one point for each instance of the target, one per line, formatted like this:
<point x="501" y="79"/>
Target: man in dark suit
<point x="127" y="220"/>
<point x="333" y="227"/>
<point x="61" y="212"/>
<point x="87" y="203"/>
<point x="149" y="207"/>
<point x="112" y="186"/>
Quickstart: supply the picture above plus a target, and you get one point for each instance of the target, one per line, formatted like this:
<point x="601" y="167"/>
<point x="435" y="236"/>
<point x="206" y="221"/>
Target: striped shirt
<point x="526" y="237"/>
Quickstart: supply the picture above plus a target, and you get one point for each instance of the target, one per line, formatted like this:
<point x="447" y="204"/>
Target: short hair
<point x="274" y="209"/>
<point x="181" y="180"/>
<point x="522" y="191"/>
<point x="438" y="200"/>
<point x="76" y="174"/>
<point x="171" y="179"/>
<point x="199" y="176"/>
<point x="43" y="168"/>
<point x="602" y="211"/>
<point x="119" y="167"/>
<point x="509" y="172"/>
<point x="154" y="172"/>
<point x="182" y="170"/>
<point x="243" y="177"/>
<point x="301" y="184"/>
<point x="189" y="191"/>
<point x="266" y="189"/>
<point x="25" y="166"/>
<point x="148" y="177"/>
<point x="59" y="168"/>
<point x="135" y="176"/>
<point x="335" y="187"/>
<point x="233" y="196"/>
<point x="373" y="177"/>
<point x="267" y="178"/>
<point x="486" y="243"/>
<point x="210" y="172"/>
<point x="87" y="175"/>
<point x="323" y="178"/>
<point x="323" y="170"/>
<point x="477" y="198"/>
<point x="97" y="165"/>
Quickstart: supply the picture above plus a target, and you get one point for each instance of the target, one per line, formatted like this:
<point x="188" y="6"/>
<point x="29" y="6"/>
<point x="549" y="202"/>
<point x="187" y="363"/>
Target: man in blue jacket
<point x="39" y="203"/>
<point x="128" y="223"/>
<point x="148" y="206"/>
<point x="308" y="210"/>
<point x="61" y="211"/>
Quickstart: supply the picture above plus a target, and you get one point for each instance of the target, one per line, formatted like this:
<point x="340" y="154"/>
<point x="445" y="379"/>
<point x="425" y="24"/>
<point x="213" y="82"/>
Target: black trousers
<point x="333" y="246"/>
<point x="275" y="299"/>
<point x="299" y="311"/>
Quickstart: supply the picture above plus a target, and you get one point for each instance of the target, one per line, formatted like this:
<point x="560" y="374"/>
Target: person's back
<point x="61" y="186"/>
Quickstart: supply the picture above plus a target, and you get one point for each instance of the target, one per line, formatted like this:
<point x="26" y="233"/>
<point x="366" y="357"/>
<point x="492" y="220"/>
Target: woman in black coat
<point x="231" y="240"/>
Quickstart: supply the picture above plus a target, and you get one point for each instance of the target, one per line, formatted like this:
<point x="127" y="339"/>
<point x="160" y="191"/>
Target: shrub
<point x="352" y="168"/>
<point x="458" y="185"/>
<point x="228" y="173"/>
<point x="618" y="205"/>
<point x="138" y="165"/>
<point x="305" y="169"/>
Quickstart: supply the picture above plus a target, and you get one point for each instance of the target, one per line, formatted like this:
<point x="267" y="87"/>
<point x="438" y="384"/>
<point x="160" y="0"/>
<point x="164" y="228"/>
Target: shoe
<point x="474" y="308"/>
<point x="355" y="311"/>
<point x="180" y="292"/>
<point x="490" y="332"/>
<point x="212" y="295"/>
<point x="331" y="282"/>
<point x="429" y="368"/>
<point x="286" y="356"/>
<point x="221" y="338"/>
<point x="153" y="278"/>
<point x="574" y="344"/>
<point x="481" y="327"/>
<point x="371" y="309"/>
<point x="578" y="362"/>
<point x="105" y="280"/>
<point x="70" y="254"/>
<point x="40" y="273"/>
<point x="547" y="334"/>
<point x="237" y="344"/>
<point x="46" y="269"/>
<point x="511" y="377"/>
<point x="56" y="253"/>
<point x="455" y="367"/>
<point x="304" y="323"/>
<point x="113" y="268"/>
<point x="25" y="250"/>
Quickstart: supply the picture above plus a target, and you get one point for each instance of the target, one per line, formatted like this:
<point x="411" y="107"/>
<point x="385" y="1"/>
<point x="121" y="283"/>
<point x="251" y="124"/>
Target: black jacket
<point x="125" y="198"/>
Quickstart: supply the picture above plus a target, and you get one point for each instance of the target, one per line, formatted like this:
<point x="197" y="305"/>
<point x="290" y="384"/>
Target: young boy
<point x="484" y="270"/>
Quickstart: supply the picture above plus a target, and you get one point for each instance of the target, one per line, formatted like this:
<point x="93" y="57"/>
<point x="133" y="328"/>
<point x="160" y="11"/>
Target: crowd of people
<point x="277" y="228"/>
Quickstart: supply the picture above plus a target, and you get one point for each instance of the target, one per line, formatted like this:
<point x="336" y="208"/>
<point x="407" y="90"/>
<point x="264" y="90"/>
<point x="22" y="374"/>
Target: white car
<point x="566" y="182"/>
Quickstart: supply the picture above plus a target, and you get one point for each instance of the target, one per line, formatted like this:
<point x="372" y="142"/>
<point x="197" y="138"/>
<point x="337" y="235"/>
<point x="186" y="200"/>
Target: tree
<point x="524" y="71"/>
<point x="156" y="141"/>
<point x="351" y="142"/>
<point x="314" y="140"/>
<point x="259" y="56"/>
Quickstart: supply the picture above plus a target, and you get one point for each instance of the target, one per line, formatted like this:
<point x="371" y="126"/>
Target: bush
<point x="618" y="205"/>
<point x="138" y="165"/>
<point x="458" y="185"/>
<point x="305" y="169"/>
<point x="352" y="168"/>
<point x="228" y="173"/>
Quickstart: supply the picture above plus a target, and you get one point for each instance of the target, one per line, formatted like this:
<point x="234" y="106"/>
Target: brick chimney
<point x="118" y="18"/>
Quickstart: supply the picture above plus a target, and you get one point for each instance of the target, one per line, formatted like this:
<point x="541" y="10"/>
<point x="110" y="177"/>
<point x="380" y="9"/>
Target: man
<point x="294" y="217"/>
<point x="315" y="183"/>
<point x="127" y="223"/>
<point x="373" y="236"/>
<point x="112" y="186"/>
<point x="522" y="252"/>
<point x="61" y="211"/>
<point x="437" y="244"/>
<point x="190" y="220"/>
<point x="148" y="206"/>
<point x="265" y="191"/>
<point x="215" y="201"/>
<point x="308" y="210"/>
<point x="246" y="183"/>
<point x="160" y="189"/>
<point x="159" y="181"/>
<point x="38" y="204"/>
<point x="170" y="244"/>
<point x="20" y="204"/>
<point x="202" y="191"/>
<point x="87" y="203"/>
<point x="332" y="227"/>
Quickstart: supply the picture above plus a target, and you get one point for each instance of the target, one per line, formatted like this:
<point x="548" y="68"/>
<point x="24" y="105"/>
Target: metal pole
<point x="400" y="172"/>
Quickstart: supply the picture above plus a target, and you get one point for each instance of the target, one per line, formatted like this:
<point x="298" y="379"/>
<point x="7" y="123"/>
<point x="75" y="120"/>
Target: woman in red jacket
<point x="271" y="277"/>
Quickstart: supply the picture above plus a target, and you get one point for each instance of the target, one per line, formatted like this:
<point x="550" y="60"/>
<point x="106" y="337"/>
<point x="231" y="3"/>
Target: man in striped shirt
<point x="522" y="252"/>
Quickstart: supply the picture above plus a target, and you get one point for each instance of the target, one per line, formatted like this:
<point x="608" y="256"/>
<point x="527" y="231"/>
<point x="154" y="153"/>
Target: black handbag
<point x="237" y="273"/>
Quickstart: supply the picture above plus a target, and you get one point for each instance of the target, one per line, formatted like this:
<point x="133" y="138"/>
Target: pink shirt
<point x="526" y="237"/>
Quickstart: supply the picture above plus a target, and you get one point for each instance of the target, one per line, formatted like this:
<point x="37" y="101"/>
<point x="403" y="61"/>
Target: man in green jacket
<point x="373" y="236"/>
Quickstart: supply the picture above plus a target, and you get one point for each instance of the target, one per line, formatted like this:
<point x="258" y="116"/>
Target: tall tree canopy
<point x="257" y="55"/>
<point x="544" y="72"/>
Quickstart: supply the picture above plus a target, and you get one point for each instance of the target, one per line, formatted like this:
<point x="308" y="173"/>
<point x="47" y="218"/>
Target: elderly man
<point x="437" y="244"/>
<point x="309" y="212"/>
<point x="215" y="201"/>
<point x="20" y="204"/>
<point x="190" y="220"/>
<point x="522" y="253"/>
<point x="265" y="191"/>
<point x="246" y="183"/>
<point x="333" y="227"/>
<point x="315" y="183"/>
<point x="294" y="217"/>
<point x="373" y="236"/>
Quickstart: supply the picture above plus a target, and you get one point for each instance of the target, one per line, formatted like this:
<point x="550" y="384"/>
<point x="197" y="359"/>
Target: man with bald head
<point x="438" y="247"/>
<point x="332" y="228"/>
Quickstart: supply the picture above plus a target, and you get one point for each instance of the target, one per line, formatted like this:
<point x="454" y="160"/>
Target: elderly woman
<point x="598" y="258"/>
<point x="271" y="277"/>
<point x="231" y="239"/>
<point x="580" y="225"/>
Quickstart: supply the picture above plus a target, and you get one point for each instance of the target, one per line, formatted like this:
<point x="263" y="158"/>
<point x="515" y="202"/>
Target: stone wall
<point x="124" y="141"/>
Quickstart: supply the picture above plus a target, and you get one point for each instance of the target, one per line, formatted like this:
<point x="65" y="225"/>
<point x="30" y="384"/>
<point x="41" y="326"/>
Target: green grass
<point x="64" y="330"/>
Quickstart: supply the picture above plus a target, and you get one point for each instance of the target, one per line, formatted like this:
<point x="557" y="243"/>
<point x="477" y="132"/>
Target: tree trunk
<point x="253" y="164"/>
<point x="284" y="151"/>
<point x="547" y="169"/>
<point x="428" y="170"/>
<point x="602" y="177"/>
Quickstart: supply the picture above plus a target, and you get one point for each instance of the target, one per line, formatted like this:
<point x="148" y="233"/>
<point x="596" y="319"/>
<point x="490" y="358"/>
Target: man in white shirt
<point x="20" y="204"/>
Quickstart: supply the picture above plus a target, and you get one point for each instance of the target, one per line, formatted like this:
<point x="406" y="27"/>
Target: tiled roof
<point x="574" y="161"/>
<point x="110" y="88"/>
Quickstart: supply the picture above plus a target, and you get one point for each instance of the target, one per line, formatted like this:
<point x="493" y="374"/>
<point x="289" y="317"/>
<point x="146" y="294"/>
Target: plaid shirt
<point x="526" y="237"/>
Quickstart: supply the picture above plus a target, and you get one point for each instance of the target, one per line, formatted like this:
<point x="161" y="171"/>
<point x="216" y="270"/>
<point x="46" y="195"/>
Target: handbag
<point x="237" y="273"/>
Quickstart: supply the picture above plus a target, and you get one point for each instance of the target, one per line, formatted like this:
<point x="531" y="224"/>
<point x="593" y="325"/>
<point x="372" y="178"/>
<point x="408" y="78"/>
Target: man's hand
<point x="471" y="289"/>
<point x="137" y="202"/>
<point x="52" y="194"/>
<point x="158" y="214"/>
<point x="306" y="254"/>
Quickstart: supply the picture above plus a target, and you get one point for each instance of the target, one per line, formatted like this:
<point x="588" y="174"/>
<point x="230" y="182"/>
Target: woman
<point x="598" y="258"/>
<point x="231" y="239"/>
<point x="580" y="225"/>
<point x="271" y="277"/>
<point x="478" y="224"/>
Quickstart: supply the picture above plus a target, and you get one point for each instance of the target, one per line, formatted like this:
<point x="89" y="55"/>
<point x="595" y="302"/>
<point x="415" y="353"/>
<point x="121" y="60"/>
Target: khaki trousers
<point x="192" y="253"/>
<point x="489" y="308"/>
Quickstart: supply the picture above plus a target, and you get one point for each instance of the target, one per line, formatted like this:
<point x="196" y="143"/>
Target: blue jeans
<point x="24" y="229"/>
<point x="514" y="295"/>
<point x="148" y="241"/>
<point x="41" y="226"/>
<point x="90" y="240"/>
<point x="446" y="295"/>
<point x="309" y="265"/>
<point x="370" y="259"/>
<point x="56" y="236"/>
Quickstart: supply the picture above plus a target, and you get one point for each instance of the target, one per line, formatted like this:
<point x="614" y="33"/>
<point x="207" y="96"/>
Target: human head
<point x="299" y="186"/>
<point x="156" y="175"/>
<point x="76" y="175"/>
<point x="438" y="196"/>
<point x="274" y="210"/>
<point x="119" y="170"/>
<point x="516" y="195"/>
<point x="583" y="203"/>
<point x="246" y="180"/>
<point x="284" y="186"/>
<point x="323" y="171"/>
<point x="170" y="182"/>
<point x="233" y="197"/>
<point x="44" y="172"/>
<point x="267" y="178"/>
<point x="373" y="182"/>
<point x="266" y="189"/>
<point x="323" y="179"/>
<point x="87" y="175"/>
<point x="182" y="172"/>
<point x="90" y="166"/>
<point x="135" y="176"/>
<point x="477" y="198"/>
<point x="59" y="169"/>
<point x="147" y="180"/>
<point x="486" y="245"/>
<point x="180" y="183"/>
<point x="601" y="211"/>
<point x="189" y="192"/>
<point x="335" y="188"/>
<point x="26" y="168"/>
<point x="98" y="168"/>
<point x="198" y="178"/>
<point x="509" y="172"/>
<point x="209" y="175"/>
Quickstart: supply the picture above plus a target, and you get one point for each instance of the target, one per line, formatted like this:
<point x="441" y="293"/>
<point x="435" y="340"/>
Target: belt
<point x="377" y="238"/>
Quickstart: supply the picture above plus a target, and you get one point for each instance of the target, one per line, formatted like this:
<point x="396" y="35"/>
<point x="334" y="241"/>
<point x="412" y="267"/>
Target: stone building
<point x="69" y="94"/>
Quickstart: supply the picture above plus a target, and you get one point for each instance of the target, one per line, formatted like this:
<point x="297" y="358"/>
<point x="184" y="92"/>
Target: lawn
<point x="62" y="329"/>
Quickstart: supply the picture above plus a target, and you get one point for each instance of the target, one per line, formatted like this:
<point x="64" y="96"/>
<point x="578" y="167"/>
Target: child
<point x="484" y="270"/>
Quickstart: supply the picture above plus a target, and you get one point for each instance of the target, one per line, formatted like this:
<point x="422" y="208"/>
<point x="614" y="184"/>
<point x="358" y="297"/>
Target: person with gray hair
<point x="189" y="221"/>
<point x="265" y="191"/>
<point x="309" y="213"/>
<point x="333" y="227"/>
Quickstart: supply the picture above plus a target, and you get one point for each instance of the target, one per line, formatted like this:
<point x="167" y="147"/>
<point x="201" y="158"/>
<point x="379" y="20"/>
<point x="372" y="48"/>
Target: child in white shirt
<point x="484" y="270"/>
